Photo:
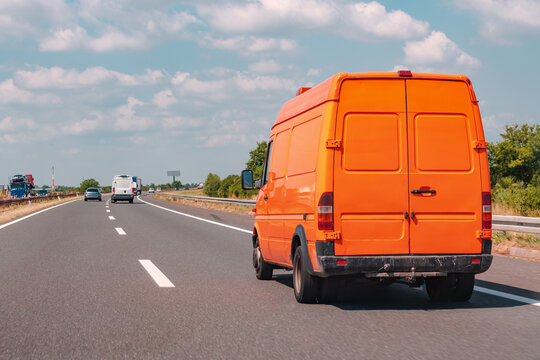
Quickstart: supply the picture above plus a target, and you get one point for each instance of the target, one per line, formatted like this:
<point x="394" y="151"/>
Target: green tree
<point x="211" y="185"/>
<point x="225" y="190"/>
<point x="256" y="159"/>
<point x="517" y="156"/>
<point x="88" y="183"/>
<point x="176" y="184"/>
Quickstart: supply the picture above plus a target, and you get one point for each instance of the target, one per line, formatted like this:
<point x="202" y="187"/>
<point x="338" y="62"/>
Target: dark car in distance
<point x="92" y="193"/>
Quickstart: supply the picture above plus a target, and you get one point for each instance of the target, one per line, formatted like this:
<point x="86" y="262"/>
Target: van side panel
<point x="442" y="159"/>
<point x="370" y="170"/>
<point x="301" y="177"/>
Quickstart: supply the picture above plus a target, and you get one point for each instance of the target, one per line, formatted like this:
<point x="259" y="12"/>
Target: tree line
<point x="514" y="165"/>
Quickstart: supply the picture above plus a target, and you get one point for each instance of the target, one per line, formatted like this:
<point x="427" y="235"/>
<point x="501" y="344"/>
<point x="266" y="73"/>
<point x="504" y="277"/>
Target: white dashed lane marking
<point x="111" y="218"/>
<point x="120" y="231"/>
<point x="156" y="274"/>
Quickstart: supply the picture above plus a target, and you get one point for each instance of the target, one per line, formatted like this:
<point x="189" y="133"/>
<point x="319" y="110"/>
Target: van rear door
<point x="444" y="168"/>
<point x="370" y="169"/>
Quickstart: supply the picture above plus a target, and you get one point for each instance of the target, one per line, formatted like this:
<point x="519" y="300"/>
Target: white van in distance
<point x="122" y="188"/>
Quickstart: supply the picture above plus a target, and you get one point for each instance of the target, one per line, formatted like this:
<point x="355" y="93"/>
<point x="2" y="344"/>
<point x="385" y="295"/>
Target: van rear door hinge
<point x="479" y="144"/>
<point x="333" y="144"/>
<point x="332" y="235"/>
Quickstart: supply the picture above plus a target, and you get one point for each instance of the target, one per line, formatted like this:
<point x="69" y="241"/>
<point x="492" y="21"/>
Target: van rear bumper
<point x="388" y="264"/>
<point x="122" y="196"/>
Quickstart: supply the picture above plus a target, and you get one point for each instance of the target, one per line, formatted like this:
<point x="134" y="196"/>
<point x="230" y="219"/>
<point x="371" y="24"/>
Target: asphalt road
<point x="73" y="287"/>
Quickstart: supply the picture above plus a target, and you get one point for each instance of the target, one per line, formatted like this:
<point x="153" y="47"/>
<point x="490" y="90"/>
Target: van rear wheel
<point x="263" y="270"/>
<point x="455" y="287"/>
<point x="463" y="287"/>
<point x="328" y="290"/>
<point x="306" y="286"/>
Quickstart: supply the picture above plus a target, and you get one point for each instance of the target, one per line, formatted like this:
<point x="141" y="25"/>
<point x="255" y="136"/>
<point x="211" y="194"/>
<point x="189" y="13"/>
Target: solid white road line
<point x="111" y="218"/>
<point x="156" y="274"/>
<point x="477" y="288"/>
<point x="37" y="212"/>
<point x="198" y="218"/>
<point x="120" y="231"/>
<point x="508" y="296"/>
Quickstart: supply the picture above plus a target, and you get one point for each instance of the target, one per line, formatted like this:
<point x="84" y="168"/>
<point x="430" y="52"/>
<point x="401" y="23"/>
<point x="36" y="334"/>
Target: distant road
<point x="142" y="282"/>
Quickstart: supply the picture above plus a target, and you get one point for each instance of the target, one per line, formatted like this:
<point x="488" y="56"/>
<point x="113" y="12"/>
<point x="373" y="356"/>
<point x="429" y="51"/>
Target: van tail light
<point x="486" y="211"/>
<point x="113" y="190"/>
<point x="326" y="211"/>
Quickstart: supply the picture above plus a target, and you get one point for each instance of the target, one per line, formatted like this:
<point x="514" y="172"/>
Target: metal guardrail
<point x="8" y="202"/>
<point x="500" y="222"/>
<point x="213" y="199"/>
<point x="516" y="223"/>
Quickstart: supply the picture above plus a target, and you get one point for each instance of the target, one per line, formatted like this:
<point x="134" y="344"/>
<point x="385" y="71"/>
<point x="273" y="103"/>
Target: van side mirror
<point x="247" y="180"/>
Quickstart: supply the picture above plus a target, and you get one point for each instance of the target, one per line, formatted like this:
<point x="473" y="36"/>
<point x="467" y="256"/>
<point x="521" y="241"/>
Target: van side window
<point x="267" y="162"/>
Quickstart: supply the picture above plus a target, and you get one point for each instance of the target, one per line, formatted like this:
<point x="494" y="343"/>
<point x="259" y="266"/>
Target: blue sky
<point x="102" y="87"/>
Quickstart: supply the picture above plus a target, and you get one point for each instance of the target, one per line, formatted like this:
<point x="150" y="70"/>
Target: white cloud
<point x="437" y="52"/>
<point x="164" y="98"/>
<point x="347" y="18"/>
<point x="9" y="124"/>
<point x="80" y="127"/>
<point x="127" y="120"/>
<point x="505" y="20"/>
<point x="117" y="25"/>
<point x="11" y="94"/>
<point x="373" y="19"/>
<point x="24" y="130"/>
<point x="249" y="44"/>
<point x="59" y="78"/>
<point x="266" y="67"/>
<point x="138" y="140"/>
<point x="180" y="122"/>
<point x="219" y="140"/>
<point x="233" y="84"/>
<point x="23" y="18"/>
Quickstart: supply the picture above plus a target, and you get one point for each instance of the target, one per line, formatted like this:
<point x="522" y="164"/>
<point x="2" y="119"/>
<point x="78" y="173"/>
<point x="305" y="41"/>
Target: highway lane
<point x="72" y="287"/>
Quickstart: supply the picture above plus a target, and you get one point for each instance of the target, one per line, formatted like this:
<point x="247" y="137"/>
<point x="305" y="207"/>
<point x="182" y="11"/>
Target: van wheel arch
<point x="299" y="239"/>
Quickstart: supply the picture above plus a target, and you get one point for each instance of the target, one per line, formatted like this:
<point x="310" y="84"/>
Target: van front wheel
<point x="306" y="286"/>
<point x="263" y="270"/>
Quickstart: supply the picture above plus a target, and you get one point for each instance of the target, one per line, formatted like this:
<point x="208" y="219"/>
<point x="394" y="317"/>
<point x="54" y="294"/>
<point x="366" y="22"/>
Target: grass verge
<point x="13" y="212"/>
<point x="502" y="240"/>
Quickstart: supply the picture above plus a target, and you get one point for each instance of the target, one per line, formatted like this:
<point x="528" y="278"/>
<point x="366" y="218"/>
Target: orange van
<point x="382" y="176"/>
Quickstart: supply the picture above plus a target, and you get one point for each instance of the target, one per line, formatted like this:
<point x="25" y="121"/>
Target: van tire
<point x="131" y="201"/>
<point x="305" y="285"/>
<point x="328" y="290"/>
<point x="439" y="288"/>
<point x="454" y="287"/>
<point x="463" y="287"/>
<point x="263" y="270"/>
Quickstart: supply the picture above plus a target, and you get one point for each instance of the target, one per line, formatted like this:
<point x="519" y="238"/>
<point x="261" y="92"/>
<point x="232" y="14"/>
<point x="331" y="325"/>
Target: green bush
<point x="525" y="199"/>
<point x="212" y="185"/>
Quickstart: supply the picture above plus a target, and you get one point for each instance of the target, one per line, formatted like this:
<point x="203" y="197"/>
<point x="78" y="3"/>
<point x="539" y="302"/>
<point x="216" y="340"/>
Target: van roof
<point x="328" y="90"/>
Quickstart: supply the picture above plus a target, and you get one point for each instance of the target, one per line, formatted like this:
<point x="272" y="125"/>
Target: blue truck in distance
<point x="21" y="186"/>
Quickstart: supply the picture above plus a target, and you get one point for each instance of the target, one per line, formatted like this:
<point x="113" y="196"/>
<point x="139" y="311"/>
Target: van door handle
<point x="406" y="215"/>
<point x="417" y="191"/>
